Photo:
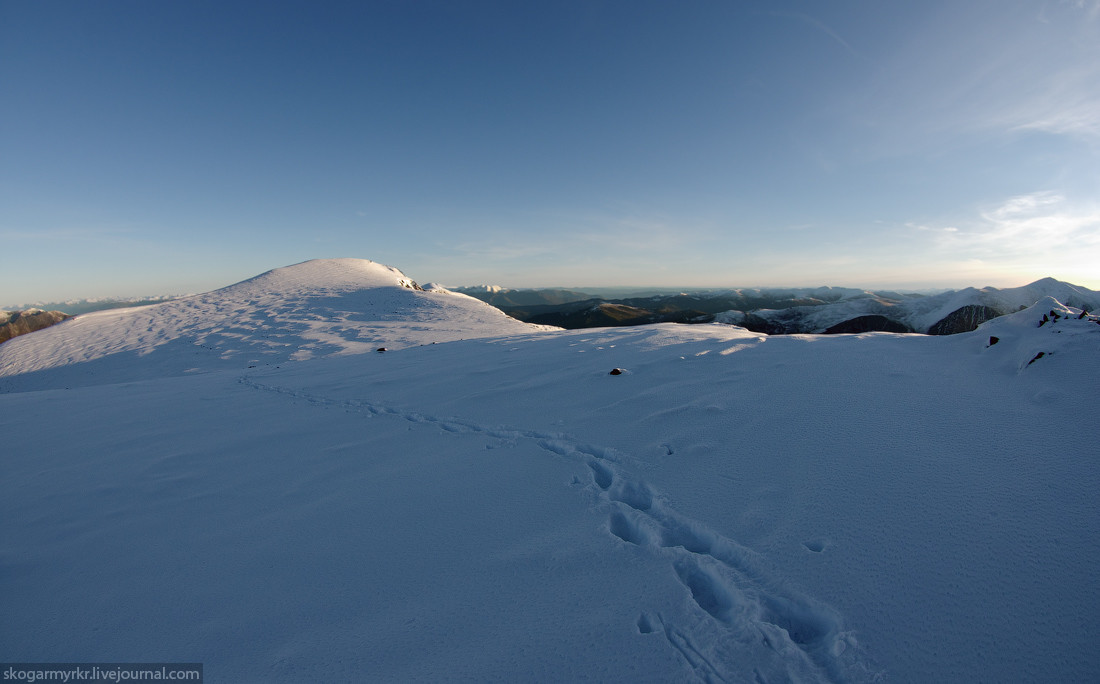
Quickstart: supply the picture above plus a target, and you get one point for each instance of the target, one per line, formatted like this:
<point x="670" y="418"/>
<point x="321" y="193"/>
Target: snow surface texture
<point x="497" y="506"/>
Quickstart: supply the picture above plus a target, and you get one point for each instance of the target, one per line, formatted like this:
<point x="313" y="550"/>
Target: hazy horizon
<point x="588" y="289"/>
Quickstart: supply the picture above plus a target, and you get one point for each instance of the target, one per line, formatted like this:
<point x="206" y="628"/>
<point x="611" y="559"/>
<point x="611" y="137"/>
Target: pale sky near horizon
<point x="183" y="145"/>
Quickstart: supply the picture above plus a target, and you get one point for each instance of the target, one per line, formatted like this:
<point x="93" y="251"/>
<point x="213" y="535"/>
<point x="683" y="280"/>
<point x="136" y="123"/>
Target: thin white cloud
<point x="1022" y="206"/>
<point x="1073" y="110"/>
<point x="984" y="68"/>
<point x="820" y="26"/>
<point x="1041" y="233"/>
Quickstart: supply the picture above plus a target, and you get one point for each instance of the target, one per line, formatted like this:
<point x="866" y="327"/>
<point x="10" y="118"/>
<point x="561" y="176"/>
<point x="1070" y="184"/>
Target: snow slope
<point x="317" y="308"/>
<point x="733" y="507"/>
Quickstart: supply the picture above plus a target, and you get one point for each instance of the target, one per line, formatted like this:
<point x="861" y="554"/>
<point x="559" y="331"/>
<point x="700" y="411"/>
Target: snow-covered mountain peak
<point x="316" y="308"/>
<point x="1047" y="282"/>
<point x="1067" y="293"/>
<point x="323" y="276"/>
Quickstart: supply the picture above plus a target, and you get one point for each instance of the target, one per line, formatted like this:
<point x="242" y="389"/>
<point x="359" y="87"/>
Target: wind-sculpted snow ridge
<point x="751" y="626"/>
<point x="314" y="309"/>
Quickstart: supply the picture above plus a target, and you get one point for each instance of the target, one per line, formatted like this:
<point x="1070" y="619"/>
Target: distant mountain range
<point x="774" y="311"/>
<point x="73" y="307"/>
<point x="828" y="310"/>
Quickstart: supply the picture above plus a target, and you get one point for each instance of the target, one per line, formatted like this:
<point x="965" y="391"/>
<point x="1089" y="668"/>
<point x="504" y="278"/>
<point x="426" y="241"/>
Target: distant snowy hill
<point x="241" y="479"/>
<point x="316" y="308"/>
<point x="946" y="313"/>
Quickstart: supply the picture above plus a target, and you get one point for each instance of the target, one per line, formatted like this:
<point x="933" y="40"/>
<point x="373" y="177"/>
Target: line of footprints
<point x="726" y="580"/>
<point x="746" y="608"/>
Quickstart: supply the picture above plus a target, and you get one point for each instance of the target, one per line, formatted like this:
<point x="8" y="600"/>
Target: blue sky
<point x="179" y="146"/>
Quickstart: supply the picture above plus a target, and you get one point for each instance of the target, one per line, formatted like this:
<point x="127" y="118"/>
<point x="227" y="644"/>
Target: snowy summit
<point x="241" y="479"/>
<point x="313" y="309"/>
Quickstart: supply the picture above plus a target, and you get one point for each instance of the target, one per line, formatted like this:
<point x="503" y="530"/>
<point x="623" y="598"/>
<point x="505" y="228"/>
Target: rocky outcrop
<point x="871" y="323"/>
<point x="964" y="319"/>
<point x="15" y="323"/>
<point x="757" y="323"/>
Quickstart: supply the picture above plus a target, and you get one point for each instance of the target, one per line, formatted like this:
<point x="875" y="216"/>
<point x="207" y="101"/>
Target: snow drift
<point x="732" y="507"/>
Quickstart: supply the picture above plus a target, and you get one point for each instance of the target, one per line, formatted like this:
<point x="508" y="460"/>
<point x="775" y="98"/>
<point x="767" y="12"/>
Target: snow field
<point x="491" y="504"/>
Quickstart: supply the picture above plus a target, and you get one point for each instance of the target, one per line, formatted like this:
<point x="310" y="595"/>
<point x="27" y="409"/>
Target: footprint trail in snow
<point x="749" y="626"/>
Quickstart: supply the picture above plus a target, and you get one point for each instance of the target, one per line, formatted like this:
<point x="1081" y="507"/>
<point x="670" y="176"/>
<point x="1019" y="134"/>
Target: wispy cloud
<point x="1040" y="221"/>
<point x="820" y="26"/>
<point x="1069" y="105"/>
<point x="980" y="68"/>
<point x="1091" y="8"/>
<point x="1041" y="233"/>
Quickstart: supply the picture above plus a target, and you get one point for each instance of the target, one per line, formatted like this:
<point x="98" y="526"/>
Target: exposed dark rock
<point x="964" y="319"/>
<point x="380" y="350"/>
<point x="869" y="323"/>
<point x="993" y="339"/>
<point x="762" y="325"/>
<point x="1037" y="357"/>
<point x="616" y="371"/>
<point x="15" y="323"/>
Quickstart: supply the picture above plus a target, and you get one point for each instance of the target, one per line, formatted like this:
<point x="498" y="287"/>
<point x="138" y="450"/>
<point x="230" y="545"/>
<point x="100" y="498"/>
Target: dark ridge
<point x="964" y="319"/>
<point x="869" y="323"/>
